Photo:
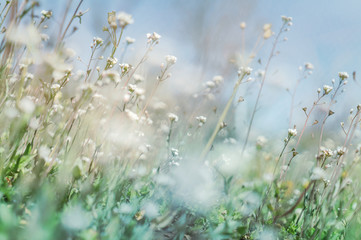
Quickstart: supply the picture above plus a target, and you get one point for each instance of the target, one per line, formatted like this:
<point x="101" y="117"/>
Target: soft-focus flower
<point x="172" y="117"/>
<point x="153" y="37"/>
<point x="343" y="75"/>
<point x="170" y="59"/>
<point x="327" y="89"/>
<point x="124" y="19"/>
<point x="292" y="132"/>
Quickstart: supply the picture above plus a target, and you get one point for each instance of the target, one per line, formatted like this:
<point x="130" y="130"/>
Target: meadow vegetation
<point x="94" y="150"/>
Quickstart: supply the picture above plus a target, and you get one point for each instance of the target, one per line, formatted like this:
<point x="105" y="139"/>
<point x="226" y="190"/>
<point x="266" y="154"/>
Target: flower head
<point x="170" y="59"/>
<point x="124" y="19"/>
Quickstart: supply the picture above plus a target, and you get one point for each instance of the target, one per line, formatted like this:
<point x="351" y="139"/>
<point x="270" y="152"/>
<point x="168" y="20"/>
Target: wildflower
<point x="292" y="132"/>
<point x="309" y="66"/>
<point x="44" y="153"/>
<point x="112" y="20"/>
<point x="129" y="40"/>
<point x="210" y="84"/>
<point x="125" y="67"/>
<point x="124" y="19"/>
<point x="327" y="89"/>
<point x="131" y="115"/>
<point x="286" y="19"/>
<point x="112" y="61"/>
<point x="44" y="37"/>
<point x="202" y="120"/>
<point x="175" y="152"/>
<point x="111" y="75"/>
<point x="27" y="105"/>
<point x="138" y="78"/>
<point x="154" y="37"/>
<point x="245" y="70"/>
<point x="170" y="59"/>
<point x="340" y="151"/>
<point x="261" y="141"/>
<point x="172" y="117"/>
<point x="317" y="173"/>
<point x="97" y="41"/>
<point x="343" y="75"/>
<point x="242" y="25"/>
<point x="217" y="79"/>
<point x="267" y="32"/>
<point x="46" y="14"/>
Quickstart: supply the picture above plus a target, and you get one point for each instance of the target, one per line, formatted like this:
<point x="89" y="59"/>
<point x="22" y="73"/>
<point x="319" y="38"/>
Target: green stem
<point x="223" y="116"/>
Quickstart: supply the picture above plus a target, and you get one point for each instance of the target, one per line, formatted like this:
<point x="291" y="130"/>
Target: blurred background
<point x="205" y="36"/>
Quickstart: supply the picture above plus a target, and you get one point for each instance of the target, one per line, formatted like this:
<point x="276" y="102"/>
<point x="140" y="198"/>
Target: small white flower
<point x="286" y="19"/>
<point x="327" y="89"/>
<point x="46" y="14"/>
<point x="217" y="79"/>
<point x="343" y="75"/>
<point x="172" y="117"/>
<point x="175" y="152"/>
<point x="129" y="40"/>
<point x="112" y="61"/>
<point x="245" y="70"/>
<point x="317" y="173"/>
<point x="170" y="59"/>
<point x="309" y="66"/>
<point x="242" y="25"/>
<point x="97" y="41"/>
<point x="210" y="84"/>
<point x="202" y="120"/>
<point x="340" y="151"/>
<point x="261" y="141"/>
<point x="292" y="132"/>
<point x="27" y="105"/>
<point x="133" y="116"/>
<point x="44" y="153"/>
<point x="124" y="19"/>
<point x="153" y="37"/>
<point x="111" y="75"/>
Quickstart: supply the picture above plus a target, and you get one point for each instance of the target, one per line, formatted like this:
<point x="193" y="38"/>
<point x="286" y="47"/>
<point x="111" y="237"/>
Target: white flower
<point x="46" y="14"/>
<point x="170" y="59"/>
<point x="327" y="89"/>
<point x="27" y="105"/>
<point x="129" y="40"/>
<point x="97" y="41"/>
<point x="124" y="19"/>
<point x="217" y="79"/>
<point x="112" y="61"/>
<point x="202" y="120"/>
<point x="343" y="75"/>
<point x="210" y="84"/>
<point x="175" y="152"/>
<point x="242" y="25"/>
<point x="286" y="19"/>
<point x="309" y="66"/>
<point x="172" y="117"/>
<point x="245" y="70"/>
<point x="317" y="173"/>
<point x="261" y="141"/>
<point x="44" y="153"/>
<point x="153" y="37"/>
<point x="340" y="151"/>
<point x="292" y="132"/>
<point x="133" y="116"/>
<point x="111" y="75"/>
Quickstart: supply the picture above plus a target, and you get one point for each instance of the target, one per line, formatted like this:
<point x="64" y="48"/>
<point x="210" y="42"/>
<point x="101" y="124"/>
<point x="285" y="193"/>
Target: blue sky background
<point x="205" y="34"/>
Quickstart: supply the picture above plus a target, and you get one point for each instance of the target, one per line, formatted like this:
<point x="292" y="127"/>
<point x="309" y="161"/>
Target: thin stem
<point x="223" y="116"/>
<point x="260" y="90"/>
